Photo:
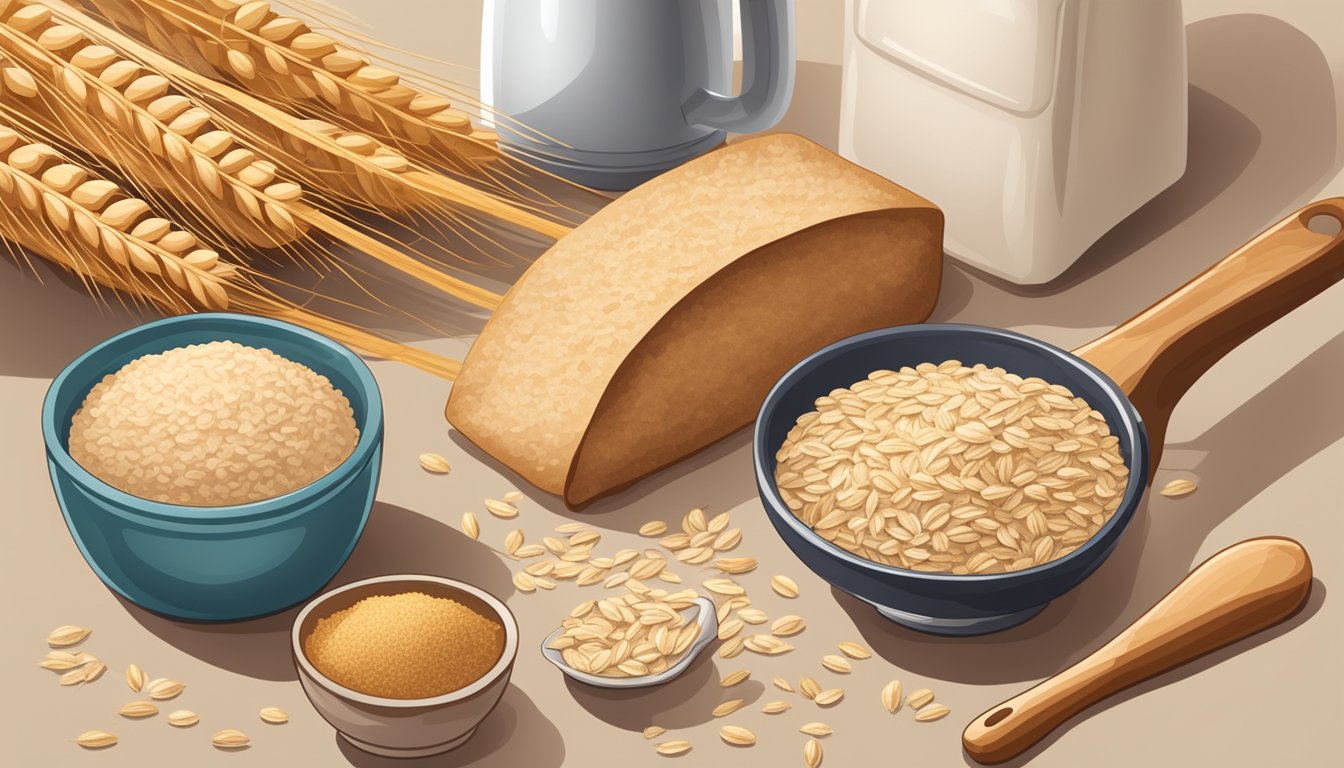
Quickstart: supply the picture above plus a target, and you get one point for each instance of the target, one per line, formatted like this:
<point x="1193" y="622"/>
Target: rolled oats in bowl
<point x="953" y="469"/>
<point x="212" y="424"/>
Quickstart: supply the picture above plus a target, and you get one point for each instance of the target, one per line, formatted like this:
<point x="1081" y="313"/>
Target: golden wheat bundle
<point x="347" y="165"/>
<point x="65" y="213"/>
<point x="282" y="59"/>
<point x="131" y="117"/>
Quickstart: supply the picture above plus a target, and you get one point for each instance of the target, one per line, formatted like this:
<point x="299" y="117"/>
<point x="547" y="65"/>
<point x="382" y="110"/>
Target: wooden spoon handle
<point x="1234" y="594"/>
<point x="1158" y="354"/>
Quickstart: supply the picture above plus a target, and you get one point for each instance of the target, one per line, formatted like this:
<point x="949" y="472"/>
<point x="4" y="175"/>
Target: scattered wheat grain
<point x="1177" y="488"/>
<point x="931" y="712"/>
<point x="273" y="715"/>
<point x="434" y="463"/>
<point x="737" y="736"/>
<point x="919" y="698"/>
<point x="95" y="739"/>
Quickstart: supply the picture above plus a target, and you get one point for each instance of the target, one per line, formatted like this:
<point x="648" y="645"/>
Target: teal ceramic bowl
<point x="217" y="563"/>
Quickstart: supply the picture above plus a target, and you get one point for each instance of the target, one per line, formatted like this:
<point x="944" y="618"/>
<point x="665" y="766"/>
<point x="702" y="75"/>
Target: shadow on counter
<point x="396" y="540"/>
<point x="684" y="702"/>
<point x="716" y="479"/>
<point x="1263" y="140"/>
<point x="515" y="733"/>
<point x="1308" y="610"/>
<point x="1158" y="550"/>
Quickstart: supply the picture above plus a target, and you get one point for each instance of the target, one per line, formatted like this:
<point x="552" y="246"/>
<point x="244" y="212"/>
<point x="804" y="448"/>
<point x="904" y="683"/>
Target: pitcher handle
<point x="767" y="73"/>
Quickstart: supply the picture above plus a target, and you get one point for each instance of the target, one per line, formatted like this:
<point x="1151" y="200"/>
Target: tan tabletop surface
<point x="1263" y="433"/>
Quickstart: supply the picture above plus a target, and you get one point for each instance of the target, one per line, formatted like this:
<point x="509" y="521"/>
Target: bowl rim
<point x="762" y="455"/>
<point x="370" y="430"/>
<point x="506" y="656"/>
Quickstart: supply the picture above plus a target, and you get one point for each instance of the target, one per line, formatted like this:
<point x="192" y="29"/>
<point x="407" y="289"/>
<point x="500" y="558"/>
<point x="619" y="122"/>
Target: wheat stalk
<point x="345" y="164"/>
<point x="126" y="114"/>
<point x="282" y="59"/>
<point x="88" y="225"/>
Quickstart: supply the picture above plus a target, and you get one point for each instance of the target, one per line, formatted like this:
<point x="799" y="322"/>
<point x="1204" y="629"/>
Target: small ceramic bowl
<point x="404" y="727"/>
<point x="217" y="563"/>
<point x="709" y="628"/>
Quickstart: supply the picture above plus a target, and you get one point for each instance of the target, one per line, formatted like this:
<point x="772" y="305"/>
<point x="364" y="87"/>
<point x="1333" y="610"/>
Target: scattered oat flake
<point x="568" y="528"/>
<point x="230" y="738"/>
<point x="784" y="586"/>
<point x="470" y="526"/>
<point x="787" y="625"/>
<point x="782" y="684"/>
<point x="836" y="663"/>
<point x="829" y="696"/>
<point x="60" y="661"/>
<point x="1178" y="488"/>
<point x="183" y="718"/>
<point x="931" y="712"/>
<point x="654" y="731"/>
<point x="730" y="628"/>
<point x="809" y="688"/>
<point x="66" y="636"/>
<point x="733" y="678"/>
<point x="736" y="565"/>
<point x="732" y="648"/>
<point x="817" y="729"/>
<point x="513" y="497"/>
<point x="653" y="528"/>
<point x="433" y="462"/>
<point x="768" y="645"/>
<point x="673" y="748"/>
<point x="162" y="688"/>
<point x="513" y="540"/>
<point x="95" y="739"/>
<point x="73" y="677"/>
<point x="891" y="696"/>
<point x="135" y="678"/>
<point x="919" y="698"/>
<point x="725" y="587"/>
<point x="812" y="753"/>
<point x="524" y="582"/>
<point x="94" y="670"/>
<point x="138" y="709"/>
<point x="728" y="707"/>
<point x="776" y="707"/>
<point x="855" y="651"/>
<point x="737" y="735"/>
<point x="274" y="715"/>
<point x="501" y="509"/>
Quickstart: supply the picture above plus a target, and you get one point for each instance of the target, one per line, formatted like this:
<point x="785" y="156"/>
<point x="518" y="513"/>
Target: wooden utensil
<point x="1234" y="594"/>
<point x="1160" y="353"/>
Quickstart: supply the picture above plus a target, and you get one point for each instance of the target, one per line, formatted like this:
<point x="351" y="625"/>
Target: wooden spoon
<point x="1234" y="594"/>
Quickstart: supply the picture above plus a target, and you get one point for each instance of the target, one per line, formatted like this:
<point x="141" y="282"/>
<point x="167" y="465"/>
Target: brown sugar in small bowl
<point x="404" y="727"/>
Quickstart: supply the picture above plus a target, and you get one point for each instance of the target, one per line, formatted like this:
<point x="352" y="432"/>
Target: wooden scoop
<point x="1234" y="594"/>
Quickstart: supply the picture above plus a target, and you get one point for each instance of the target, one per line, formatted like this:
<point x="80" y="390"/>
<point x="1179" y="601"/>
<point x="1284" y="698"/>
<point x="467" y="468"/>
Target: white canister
<point x="1036" y="125"/>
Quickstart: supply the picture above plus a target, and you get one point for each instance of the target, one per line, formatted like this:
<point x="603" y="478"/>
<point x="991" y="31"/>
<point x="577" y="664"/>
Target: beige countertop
<point x="1262" y="432"/>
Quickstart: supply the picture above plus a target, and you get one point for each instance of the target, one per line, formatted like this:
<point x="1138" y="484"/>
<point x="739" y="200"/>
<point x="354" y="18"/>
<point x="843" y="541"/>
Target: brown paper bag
<point x="658" y="326"/>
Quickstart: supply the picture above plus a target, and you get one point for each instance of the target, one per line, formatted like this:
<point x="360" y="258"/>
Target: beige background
<point x="1262" y="433"/>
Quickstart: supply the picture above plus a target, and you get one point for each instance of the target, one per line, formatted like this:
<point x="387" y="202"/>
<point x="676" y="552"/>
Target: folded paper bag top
<point x="658" y="326"/>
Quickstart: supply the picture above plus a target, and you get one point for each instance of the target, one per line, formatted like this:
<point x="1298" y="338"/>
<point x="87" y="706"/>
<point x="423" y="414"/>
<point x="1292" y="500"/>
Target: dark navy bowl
<point x="933" y="602"/>
<point x="217" y="563"/>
